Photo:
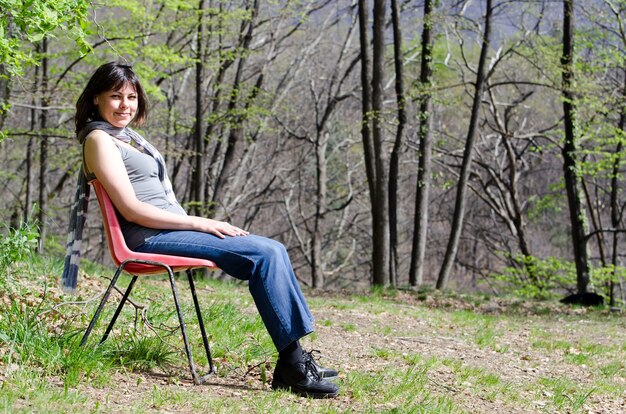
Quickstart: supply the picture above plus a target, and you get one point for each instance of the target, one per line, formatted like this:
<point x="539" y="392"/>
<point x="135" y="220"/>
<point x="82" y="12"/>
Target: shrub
<point x="537" y="278"/>
<point x="17" y="244"/>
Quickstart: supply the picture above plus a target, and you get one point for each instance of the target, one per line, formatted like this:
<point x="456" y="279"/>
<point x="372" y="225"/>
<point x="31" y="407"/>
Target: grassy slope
<point x="396" y="353"/>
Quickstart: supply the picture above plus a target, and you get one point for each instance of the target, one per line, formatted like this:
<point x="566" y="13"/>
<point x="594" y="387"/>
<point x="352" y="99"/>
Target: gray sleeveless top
<point x="143" y="173"/>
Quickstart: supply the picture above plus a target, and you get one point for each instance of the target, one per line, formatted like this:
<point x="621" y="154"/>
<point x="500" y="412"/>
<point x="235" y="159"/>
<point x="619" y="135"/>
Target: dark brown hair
<point x="109" y="77"/>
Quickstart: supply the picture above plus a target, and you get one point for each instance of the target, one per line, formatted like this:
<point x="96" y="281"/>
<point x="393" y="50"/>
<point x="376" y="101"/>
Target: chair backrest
<point x="117" y="245"/>
<point x="120" y="252"/>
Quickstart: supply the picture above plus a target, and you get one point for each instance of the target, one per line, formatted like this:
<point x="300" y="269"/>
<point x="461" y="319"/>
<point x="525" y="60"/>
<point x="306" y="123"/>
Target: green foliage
<point x="549" y="204"/>
<point x="537" y="278"/>
<point x="29" y="21"/>
<point x="602" y="276"/>
<point x="17" y="244"/>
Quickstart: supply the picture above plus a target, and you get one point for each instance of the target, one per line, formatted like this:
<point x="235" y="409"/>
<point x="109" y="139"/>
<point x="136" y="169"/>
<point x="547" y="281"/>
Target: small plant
<point x="381" y="353"/>
<point x="145" y="353"/>
<point x="612" y="369"/>
<point x="486" y="336"/>
<point x="535" y="278"/>
<point x="348" y="327"/>
<point x="17" y="244"/>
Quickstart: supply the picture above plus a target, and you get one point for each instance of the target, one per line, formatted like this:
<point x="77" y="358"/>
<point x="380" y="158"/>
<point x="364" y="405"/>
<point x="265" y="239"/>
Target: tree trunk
<point x="43" y="148"/>
<point x="30" y="150"/>
<point x="466" y="166"/>
<point x="395" y="153"/>
<point x="420" y="224"/>
<point x="197" y="181"/>
<point x="380" y="226"/>
<point x="570" y="154"/>
<point x="616" y="212"/>
<point x="366" y="106"/>
<point x="317" y="267"/>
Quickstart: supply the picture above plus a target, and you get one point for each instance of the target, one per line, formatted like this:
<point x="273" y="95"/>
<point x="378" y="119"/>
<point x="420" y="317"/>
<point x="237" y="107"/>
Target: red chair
<point x="142" y="264"/>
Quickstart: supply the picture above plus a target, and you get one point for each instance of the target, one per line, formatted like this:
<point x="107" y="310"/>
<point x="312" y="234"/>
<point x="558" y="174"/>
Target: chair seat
<point x="177" y="263"/>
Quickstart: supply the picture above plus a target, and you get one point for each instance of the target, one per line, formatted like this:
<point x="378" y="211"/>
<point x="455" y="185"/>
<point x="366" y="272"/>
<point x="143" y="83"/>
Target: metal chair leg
<point x="119" y="309"/>
<point x="196" y="378"/>
<point x="95" y="317"/>
<point x="205" y="341"/>
<point x="192" y="368"/>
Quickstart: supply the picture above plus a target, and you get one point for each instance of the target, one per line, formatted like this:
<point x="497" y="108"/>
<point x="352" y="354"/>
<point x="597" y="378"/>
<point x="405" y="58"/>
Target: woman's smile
<point x="118" y="107"/>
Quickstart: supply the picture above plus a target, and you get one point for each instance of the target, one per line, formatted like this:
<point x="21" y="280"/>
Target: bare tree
<point x="380" y="210"/>
<point x="28" y="191"/>
<point x="237" y="104"/>
<point x="570" y="154"/>
<point x="466" y="167"/>
<point x="326" y="94"/>
<point x="398" y="142"/>
<point x="505" y="158"/>
<point x="43" y="149"/>
<point x="366" y="108"/>
<point x="420" y="221"/>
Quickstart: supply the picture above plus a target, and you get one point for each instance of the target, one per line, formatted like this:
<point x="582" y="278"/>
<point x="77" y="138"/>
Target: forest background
<point x="476" y="145"/>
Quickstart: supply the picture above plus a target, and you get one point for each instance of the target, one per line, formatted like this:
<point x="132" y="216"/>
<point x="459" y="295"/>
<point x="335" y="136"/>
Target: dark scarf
<point x="81" y="198"/>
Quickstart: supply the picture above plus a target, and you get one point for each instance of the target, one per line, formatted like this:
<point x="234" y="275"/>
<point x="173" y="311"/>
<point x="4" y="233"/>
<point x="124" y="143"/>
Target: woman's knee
<point x="272" y="248"/>
<point x="269" y="252"/>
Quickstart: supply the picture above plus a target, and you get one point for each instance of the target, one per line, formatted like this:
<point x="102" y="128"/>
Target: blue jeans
<point x="263" y="262"/>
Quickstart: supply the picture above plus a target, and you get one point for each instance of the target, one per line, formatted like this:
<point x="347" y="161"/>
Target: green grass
<point x="398" y="391"/>
<point x="564" y="394"/>
<point x="349" y="327"/>
<point x="400" y="355"/>
<point x="31" y="343"/>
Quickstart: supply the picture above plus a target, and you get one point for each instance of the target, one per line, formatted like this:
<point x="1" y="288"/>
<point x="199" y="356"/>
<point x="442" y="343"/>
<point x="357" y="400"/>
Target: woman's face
<point x="118" y="107"/>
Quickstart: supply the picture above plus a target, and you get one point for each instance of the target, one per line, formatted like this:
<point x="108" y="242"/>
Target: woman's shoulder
<point x="97" y="135"/>
<point x="97" y="146"/>
<point x="98" y="141"/>
<point x="99" y="138"/>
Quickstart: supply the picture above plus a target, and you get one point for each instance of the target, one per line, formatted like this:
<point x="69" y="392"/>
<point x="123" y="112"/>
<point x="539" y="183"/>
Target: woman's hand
<point x="219" y="228"/>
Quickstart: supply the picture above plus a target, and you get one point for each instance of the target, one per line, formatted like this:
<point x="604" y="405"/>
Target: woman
<point x="153" y="222"/>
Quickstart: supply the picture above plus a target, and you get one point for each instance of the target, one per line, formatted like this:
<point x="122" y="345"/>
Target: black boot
<point x="303" y="378"/>
<point x="326" y="373"/>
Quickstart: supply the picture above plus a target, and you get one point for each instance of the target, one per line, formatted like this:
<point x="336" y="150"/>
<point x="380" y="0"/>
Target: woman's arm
<point x="103" y="159"/>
